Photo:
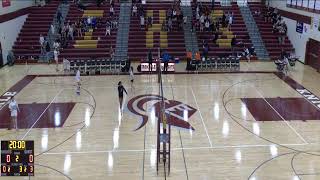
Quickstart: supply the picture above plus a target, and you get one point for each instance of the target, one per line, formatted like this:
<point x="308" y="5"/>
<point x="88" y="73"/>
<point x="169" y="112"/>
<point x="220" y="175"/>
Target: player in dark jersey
<point x="120" y="93"/>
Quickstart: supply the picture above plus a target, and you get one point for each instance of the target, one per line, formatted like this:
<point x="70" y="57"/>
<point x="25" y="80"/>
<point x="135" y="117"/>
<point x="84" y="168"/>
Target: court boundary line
<point x="176" y="149"/>
<point x="204" y="125"/>
<point x="55" y="97"/>
<point x="293" y="129"/>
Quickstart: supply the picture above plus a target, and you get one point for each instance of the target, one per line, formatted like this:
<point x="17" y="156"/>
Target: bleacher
<point x="140" y="41"/>
<point x="270" y="39"/>
<point x="93" y="44"/>
<point x="38" y="22"/>
<point x="222" y="48"/>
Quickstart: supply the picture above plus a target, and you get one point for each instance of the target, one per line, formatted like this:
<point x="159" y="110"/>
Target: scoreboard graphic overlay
<point x="17" y="158"/>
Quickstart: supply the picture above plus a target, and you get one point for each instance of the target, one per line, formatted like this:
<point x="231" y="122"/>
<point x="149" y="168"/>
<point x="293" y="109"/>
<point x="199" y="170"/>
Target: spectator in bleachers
<point x="282" y="33"/>
<point x="207" y="25"/>
<point x="108" y="29"/>
<point x="111" y="52"/>
<point x="215" y="37"/>
<point x="149" y="22"/>
<point x="223" y="20"/>
<point x="111" y="11"/>
<point x="230" y="21"/>
<point x="70" y="32"/>
<point x="94" y="23"/>
<point x="134" y="10"/>
<point x="233" y="44"/>
<point x="59" y="16"/>
<point x="114" y="23"/>
<point x="205" y="49"/>
<point x="142" y="22"/>
<point x="78" y="26"/>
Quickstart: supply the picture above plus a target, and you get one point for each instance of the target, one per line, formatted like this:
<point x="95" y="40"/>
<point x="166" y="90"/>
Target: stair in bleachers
<point x="190" y="38"/>
<point x="254" y="33"/>
<point x="121" y="52"/>
<point x="269" y="38"/>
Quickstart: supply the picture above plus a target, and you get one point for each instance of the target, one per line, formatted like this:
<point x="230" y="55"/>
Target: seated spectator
<point x="149" y="22"/>
<point x="142" y="22"/>
<point x="207" y="25"/>
<point x="94" y="22"/>
<point x="230" y="21"/>
<point x="215" y="37"/>
<point x="111" y="11"/>
<point x="134" y="10"/>
<point x="108" y="29"/>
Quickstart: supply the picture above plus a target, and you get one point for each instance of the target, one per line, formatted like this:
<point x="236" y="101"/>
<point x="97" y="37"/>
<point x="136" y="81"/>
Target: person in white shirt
<point x="230" y="21"/>
<point x="71" y="32"/>
<point x="78" y="82"/>
<point x="14" y="108"/>
<point x="108" y="30"/>
<point x="111" y="11"/>
<point x="142" y="22"/>
<point x="134" y="10"/>
<point x="52" y="29"/>
<point x="56" y="53"/>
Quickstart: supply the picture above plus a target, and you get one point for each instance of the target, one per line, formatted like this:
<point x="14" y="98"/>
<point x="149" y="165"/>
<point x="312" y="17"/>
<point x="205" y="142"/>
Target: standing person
<point x="165" y="57"/>
<point x="41" y="41"/>
<point x="233" y="44"/>
<point x="14" y="108"/>
<point x="47" y="45"/>
<point x="56" y="53"/>
<point x="78" y="82"/>
<point x="150" y="60"/>
<point x="120" y="93"/>
<point x="131" y="74"/>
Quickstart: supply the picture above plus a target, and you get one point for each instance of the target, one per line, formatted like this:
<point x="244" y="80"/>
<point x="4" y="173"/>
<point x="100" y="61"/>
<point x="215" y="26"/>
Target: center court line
<point x="294" y="130"/>
<point x="204" y="125"/>
<point x="177" y="149"/>
<point x="55" y="97"/>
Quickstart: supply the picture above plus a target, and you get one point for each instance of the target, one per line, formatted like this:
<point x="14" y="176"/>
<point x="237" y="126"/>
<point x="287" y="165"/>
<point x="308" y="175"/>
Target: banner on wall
<point x="299" y="27"/>
<point x="6" y="3"/>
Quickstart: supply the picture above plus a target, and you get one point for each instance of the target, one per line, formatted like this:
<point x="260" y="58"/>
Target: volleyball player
<point x="120" y="93"/>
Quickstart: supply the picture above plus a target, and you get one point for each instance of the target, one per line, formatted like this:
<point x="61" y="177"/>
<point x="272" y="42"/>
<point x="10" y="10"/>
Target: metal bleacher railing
<point x="232" y="63"/>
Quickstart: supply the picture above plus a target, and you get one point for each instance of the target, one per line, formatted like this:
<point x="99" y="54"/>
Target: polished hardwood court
<point x="253" y="124"/>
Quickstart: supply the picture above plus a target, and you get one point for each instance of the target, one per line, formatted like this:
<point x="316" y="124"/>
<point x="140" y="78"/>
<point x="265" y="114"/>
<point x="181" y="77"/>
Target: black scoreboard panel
<point x="17" y="158"/>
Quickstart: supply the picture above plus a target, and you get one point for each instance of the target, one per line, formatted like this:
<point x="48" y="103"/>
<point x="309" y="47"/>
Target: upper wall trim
<point x="15" y="14"/>
<point x="295" y="16"/>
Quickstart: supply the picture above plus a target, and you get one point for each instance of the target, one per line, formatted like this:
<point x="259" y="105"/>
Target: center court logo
<point x="177" y="112"/>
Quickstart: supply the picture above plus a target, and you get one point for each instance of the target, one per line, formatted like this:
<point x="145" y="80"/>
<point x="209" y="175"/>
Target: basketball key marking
<point x="177" y="112"/>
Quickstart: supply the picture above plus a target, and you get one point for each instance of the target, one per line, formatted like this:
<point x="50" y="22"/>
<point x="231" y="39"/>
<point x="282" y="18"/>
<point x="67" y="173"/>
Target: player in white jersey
<point x="14" y="108"/>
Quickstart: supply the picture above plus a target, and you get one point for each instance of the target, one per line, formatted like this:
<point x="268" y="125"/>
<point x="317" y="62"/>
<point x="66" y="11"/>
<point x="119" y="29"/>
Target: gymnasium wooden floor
<point x="249" y="125"/>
